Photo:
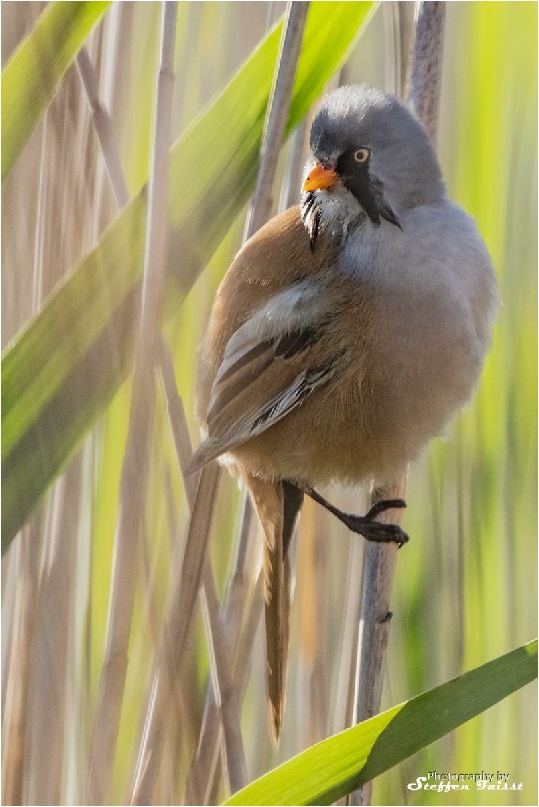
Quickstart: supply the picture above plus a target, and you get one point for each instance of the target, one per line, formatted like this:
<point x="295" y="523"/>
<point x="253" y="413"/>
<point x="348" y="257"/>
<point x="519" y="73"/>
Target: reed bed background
<point x="466" y="585"/>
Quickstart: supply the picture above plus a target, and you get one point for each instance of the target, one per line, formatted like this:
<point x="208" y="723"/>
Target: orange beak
<point x="319" y="178"/>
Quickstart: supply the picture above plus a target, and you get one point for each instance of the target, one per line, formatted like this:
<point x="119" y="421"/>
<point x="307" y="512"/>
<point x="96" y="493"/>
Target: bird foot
<point x="366" y="525"/>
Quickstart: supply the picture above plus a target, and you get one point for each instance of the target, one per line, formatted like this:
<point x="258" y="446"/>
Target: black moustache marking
<point x="369" y="193"/>
<point x="389" y="215"/>
<point x="313" y="234"/>
<point x="311" y="206"/>
<point x="367" y="189"/>
<point x="364" y="190"/>
<point x="307" y="204"/>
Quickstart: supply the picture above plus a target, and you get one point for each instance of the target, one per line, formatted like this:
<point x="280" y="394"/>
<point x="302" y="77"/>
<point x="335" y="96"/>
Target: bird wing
<point x="270" y="365"/>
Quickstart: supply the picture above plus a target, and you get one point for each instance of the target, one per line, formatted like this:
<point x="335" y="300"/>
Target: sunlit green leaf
<point x="30" y="78"/>
<point x="331" y="769"/>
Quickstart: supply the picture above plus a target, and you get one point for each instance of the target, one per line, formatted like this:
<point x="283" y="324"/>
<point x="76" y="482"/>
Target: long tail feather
<point x="277" y="505"/>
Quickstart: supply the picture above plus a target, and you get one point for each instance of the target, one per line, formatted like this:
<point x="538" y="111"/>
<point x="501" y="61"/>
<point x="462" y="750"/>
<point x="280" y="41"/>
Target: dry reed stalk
<point x="184" y="590"/>
<point x="425" y="77"/>
<point x="135" y="466"/>
<point x="291" y="185"/>
<point x="177" y="421"/>
<point x="275" y="123"/>
<point x="200" y="776"/>
<point x="405" y="26"/>
<point x="53" y="646"/>
<point x="103" y="126"/>
<point x="9" y="591"/>
<point x="379" y="560"/>
<point x="188" y="570"/>
<point x="231" y="621"/>
<point x="208" y="744"/>
<point x="344" y="706"/>
<point x="223" y="684"/>
<point x="378" y="571"/>
<point x="398" y="17"/>
<point x="21" y="559"/>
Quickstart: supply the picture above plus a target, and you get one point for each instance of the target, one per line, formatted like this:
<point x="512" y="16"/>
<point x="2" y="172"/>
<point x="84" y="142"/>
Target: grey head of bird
<point x="370" y="159"/>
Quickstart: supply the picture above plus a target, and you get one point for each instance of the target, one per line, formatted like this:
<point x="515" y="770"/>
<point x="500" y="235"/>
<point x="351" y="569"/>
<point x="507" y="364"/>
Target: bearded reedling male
<point x="345" y="335"/>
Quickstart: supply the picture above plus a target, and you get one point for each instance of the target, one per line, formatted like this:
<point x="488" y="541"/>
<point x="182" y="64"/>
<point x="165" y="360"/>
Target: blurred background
<point x="466" y="585"/>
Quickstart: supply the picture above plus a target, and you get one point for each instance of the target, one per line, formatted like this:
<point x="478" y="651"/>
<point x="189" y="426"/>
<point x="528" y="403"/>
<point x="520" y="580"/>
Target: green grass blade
<point x="66" y="365"/>
<point x="30" y="78"/>
<point x="331" y="769"/>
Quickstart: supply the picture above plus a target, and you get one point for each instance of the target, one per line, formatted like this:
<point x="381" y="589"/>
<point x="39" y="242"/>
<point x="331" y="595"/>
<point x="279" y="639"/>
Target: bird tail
<point x="277" y="505"/>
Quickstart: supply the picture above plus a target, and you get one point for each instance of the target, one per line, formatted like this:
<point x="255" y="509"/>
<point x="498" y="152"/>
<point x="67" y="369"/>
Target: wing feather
<point x="268" y="369"/>
<point x="259" y="418"/>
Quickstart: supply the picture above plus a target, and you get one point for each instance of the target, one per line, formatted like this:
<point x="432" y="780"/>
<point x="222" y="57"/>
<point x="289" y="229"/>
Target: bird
<point x="345" y="335"/>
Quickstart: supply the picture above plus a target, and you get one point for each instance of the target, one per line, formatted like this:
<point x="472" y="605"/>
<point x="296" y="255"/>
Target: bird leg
<point x="365" y="525"/>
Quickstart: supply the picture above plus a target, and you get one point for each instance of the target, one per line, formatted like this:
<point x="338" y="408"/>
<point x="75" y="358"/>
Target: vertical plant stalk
<point x="133" y="481"/>
<point x="232" y="618"/>
<point x="378" y="572"/>
<point x="15" y="715"/>
<point x="398" y="35"/>
<point x="192" y="570"/>
<point x="279" y="103"/>
<point x="379" y="560"/>
<point x="425" y="76"/>
<point x="48" y="703"/>
<point x="174" y="635"/>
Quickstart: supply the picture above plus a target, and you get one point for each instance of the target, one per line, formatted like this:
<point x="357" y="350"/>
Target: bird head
<point x="370" y="157"/>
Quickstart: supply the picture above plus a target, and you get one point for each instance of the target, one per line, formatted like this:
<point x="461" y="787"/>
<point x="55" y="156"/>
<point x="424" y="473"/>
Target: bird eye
<point x="361" y="155"/>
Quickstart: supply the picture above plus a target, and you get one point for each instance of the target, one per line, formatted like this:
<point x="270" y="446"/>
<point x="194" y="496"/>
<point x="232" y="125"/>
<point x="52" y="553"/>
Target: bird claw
<point x="375" y="531"/>
<point x="366" y="526"/>
<point x="380" y="533"/>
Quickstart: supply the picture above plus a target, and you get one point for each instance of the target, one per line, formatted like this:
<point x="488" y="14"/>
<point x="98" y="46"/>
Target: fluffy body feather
<point x="399" y="322"/>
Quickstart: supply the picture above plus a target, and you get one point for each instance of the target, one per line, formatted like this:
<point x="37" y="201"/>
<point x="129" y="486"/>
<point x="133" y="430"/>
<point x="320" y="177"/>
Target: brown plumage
<point x="346" y="316"/>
